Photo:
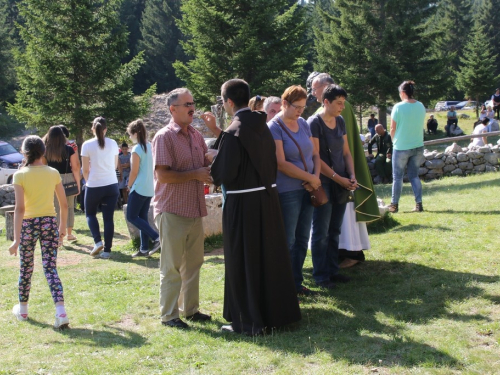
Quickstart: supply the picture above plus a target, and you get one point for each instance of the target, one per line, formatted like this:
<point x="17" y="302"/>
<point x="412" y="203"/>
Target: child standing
<point x="35" y="219"/>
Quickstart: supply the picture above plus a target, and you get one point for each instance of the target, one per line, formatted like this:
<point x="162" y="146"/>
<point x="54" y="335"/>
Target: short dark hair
<point x="333" y="92"/>
<point x="124" y="144"/>
<point x="237" y="90"/>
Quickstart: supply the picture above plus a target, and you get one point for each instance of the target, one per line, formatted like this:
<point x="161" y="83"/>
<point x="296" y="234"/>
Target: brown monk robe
<point x="259" y="290"/>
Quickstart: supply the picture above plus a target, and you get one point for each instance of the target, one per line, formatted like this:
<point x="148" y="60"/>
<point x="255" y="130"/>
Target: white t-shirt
<point x="102" y="162"/>
<point x="479" y="140"/>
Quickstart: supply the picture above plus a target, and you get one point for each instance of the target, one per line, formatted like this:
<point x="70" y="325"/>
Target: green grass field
<point x="426" y="301"/>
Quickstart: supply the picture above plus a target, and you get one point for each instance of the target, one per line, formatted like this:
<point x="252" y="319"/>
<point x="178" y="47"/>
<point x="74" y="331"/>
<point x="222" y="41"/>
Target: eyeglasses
<point x="299" y="107"/>
<point x="313" y="90"/>
<point x="187" y="104"/>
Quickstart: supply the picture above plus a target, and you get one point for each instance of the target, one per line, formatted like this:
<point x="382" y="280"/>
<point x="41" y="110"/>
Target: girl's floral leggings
<point x="44" y="229"/>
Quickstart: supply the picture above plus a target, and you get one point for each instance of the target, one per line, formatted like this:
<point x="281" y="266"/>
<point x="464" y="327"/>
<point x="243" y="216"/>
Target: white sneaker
<point x="156" y="247"/>
<point x="105" y="255"/>
<point x="16" y="310"/>
<point x="97" y="249"/>
<point x="62" y="322"/>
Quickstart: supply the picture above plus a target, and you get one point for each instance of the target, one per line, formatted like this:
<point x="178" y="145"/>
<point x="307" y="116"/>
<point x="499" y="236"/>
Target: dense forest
<point x="66" y="60"/>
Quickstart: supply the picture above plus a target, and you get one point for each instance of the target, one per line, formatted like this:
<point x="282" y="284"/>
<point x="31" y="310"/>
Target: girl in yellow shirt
<point x="35" y="219"/>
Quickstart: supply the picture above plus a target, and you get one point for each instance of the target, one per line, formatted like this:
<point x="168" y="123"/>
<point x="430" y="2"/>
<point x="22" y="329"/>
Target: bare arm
<point x="18" y="218"/>
<point x="393" y="128"/>
<point x="166" y="175"/>
<point x="134" y="169"/>
<point x="292" y="170"/>
<point x="120" y="169"/>
<point x="327" y="171"/>
<point x="63" y="206"/>
<point x="85" y="167"/>
<point x="349" y="163"/>
<point x="75" y="169"/>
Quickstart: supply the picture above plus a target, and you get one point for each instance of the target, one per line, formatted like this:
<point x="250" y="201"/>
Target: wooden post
<point x="9" y="225"/>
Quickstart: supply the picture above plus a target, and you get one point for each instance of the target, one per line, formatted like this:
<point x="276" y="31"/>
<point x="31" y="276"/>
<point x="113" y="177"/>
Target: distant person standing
<point x="181" y="169"/>
<point x="124" y="169"/>
<point x="407" y="133"/>
<point x="141" y="188"/>
<point x="63" y="158"/>
<point x="372" y="122"/>
<point x="495" y="98"/>
<point x="99" y="162"/>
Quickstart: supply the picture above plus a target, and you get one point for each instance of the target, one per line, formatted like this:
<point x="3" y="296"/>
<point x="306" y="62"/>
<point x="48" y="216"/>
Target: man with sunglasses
<point x="181" y="169"/>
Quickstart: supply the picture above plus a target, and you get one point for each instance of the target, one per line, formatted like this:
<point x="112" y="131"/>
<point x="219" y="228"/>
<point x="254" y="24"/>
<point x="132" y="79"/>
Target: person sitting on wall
<point x="432" y="125"/>
<point x="383" y="162"/>
<point x="452" y="120"/>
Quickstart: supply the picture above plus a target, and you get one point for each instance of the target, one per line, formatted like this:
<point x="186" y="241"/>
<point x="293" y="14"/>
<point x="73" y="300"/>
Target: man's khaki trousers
<point x="181" y="258"/>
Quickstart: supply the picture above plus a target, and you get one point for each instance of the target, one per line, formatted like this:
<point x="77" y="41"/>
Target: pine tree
<point x="7" y="72"/>
<point x="477" y="69"/>
<point x="130" y="15"/>
<point x="370" y="47"/>
<point x="260" y="41"/>
<point x="489" y="14"/>
<point x="70" y="71"/>
<point x="160" y="43"/>
<point x="453" y="22"/>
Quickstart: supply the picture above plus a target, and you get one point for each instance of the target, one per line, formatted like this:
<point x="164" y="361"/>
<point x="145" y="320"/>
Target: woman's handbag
<point x="70" y="188"/>
<point x="318" y="196"/>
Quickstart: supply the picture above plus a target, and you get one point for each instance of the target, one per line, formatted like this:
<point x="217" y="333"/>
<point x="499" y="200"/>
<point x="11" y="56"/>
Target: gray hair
<point x="324" y="79"/>
<point x="271" y="100"/>
<point x="174" y="95"/>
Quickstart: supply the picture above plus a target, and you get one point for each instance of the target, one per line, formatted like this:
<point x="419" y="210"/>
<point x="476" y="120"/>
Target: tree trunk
<point x="360" y="119"/>
<point x="9" y="225"/>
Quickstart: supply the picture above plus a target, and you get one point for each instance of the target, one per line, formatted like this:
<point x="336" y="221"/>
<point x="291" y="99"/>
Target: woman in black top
<point x="64" y="159"/>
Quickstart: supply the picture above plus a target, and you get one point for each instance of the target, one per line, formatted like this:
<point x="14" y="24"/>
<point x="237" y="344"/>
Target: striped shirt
<point x="181" y="152"/>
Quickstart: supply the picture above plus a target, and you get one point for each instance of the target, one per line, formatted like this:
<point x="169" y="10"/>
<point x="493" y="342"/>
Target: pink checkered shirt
<point x="181" y="153"/>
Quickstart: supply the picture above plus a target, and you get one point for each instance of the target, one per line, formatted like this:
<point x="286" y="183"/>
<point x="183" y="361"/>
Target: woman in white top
<point x="99" y="161"/>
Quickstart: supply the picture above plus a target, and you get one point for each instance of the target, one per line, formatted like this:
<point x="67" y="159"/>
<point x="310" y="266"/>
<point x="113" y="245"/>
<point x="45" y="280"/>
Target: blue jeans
<point x="297" y="211"/>
<point x="106" y="196"/>
<point x="137" y="214"/>
<point x="326" y="224"/>
<point x="411" y="159"/>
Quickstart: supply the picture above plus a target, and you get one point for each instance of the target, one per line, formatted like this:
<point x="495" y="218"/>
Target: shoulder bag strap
<point x="283" y="126"/>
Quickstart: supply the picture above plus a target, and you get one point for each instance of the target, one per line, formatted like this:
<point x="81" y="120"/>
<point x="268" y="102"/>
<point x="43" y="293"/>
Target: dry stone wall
<point x="7" y="195"/>
<point x="455" y="161"/>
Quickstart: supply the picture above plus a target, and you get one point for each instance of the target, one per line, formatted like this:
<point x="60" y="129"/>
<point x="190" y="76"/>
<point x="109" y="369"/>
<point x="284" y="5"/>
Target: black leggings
<point x="497" y="111"/>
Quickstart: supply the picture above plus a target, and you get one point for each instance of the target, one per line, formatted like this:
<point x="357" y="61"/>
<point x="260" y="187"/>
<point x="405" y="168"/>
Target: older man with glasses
<point x="181" y="169"/>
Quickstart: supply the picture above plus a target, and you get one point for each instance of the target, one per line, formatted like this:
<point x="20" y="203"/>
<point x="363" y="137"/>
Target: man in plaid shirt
<point x="181" y="169"/>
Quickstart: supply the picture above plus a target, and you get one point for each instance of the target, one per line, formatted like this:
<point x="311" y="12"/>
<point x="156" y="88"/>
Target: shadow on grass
<point x="377" y="315"/>
<point x="383" y="225"/>
<point x="111" y="337"/>
<point x="414" y="227"/>
<point x="458" y="212"/>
